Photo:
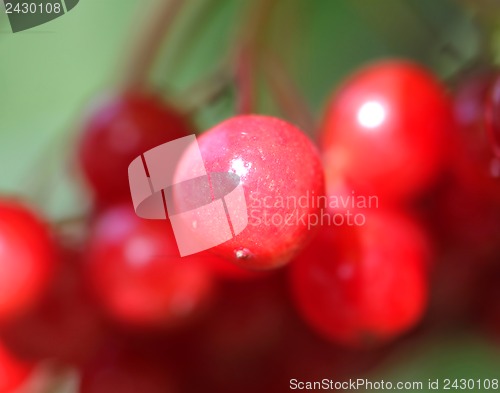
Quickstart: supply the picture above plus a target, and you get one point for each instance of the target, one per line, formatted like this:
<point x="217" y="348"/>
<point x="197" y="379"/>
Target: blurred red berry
<point x="282" y="177"/>
<point x="119" y="131"/>
<point x="466" y="218"/>
<point x="385" y="129"/>
<point x="135" y="269"/>
<point x="13" y="372"/>
<point x="363" y="285"/>
<point x="64" y="324"/>
<point x="26" y="259"/>
<point x="474" y="112"/>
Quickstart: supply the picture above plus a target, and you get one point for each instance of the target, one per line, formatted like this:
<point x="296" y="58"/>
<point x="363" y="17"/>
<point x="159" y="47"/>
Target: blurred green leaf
<point x="458" y="357"/>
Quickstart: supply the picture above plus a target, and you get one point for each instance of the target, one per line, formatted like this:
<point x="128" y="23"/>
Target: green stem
<point x="248" y="47"/>
<point x="147" y="44"/>
<point x="244" y="81"/>
<point x="207" y="91"/>
<point x="286" y="94"/>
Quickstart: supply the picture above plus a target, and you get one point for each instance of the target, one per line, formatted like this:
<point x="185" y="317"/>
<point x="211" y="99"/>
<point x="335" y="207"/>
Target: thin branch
<point x="145" y="49"/>
<point x="208" y="90"/>
<point x="247" y="48"/>
<point x="245" y="81"/>
<point x="287" y="95"/>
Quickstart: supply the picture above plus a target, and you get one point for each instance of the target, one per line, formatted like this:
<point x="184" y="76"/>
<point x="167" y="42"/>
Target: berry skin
<point x="274" y="161"/>
<point x="14" y="372"/>
<point x="26" y="259"/>
<point x="120" y="130"/>
<point x="385" y="130"/>
<point x="134" y="267"/>
<point x="363" y="285"/>
<point x="227" y="271"/>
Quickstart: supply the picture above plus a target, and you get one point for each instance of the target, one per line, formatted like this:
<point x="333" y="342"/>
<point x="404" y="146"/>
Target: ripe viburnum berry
<point x="64" y="324"/>
<point x="26" y="259"/>
<point x="134" y="267"/>
<point x="14" y="372"/>
<point x="385" y="130"/>
<point x="362" y="285"/>
<point x="119" y="131"/>
<point x="281" y="175"/>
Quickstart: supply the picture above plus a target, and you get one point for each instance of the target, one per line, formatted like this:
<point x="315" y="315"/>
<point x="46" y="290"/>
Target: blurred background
<point x="53" y="75"/>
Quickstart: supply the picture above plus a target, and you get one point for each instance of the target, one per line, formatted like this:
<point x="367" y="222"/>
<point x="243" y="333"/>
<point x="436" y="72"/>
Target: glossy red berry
<point x="26" y="259"/>
<point x="282" y="178"/>
<point x="120" y="130"/>
<point x="363" y="285"/>
<point x="135" y="269"/>
<point x="227" y="270"/>
<point x="385" y="129"/>
<point x="13" y="371"/>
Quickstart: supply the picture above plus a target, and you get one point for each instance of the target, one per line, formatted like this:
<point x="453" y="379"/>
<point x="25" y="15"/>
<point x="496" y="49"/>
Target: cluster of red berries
<point x="122" y="305"/>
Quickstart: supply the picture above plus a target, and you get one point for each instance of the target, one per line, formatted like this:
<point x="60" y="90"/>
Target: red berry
<point x="26" y="259"/>
<point x="465" y="218"/>
<point x="385" y="129"/>
<point x="366" y="284"/>
<point x="64" y="324"/>
<point x="119" y="131"/>
<point x="277" y="165"/>
<point x="226" y="270"/>
<point x="135" y="269"/>
<point x="13" y="372"/>
<point x="474" y="112"/>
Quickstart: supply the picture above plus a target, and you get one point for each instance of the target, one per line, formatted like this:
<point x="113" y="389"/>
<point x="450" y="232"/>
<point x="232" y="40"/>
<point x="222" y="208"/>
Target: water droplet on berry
<point x="240" y="167"/>
<point x="243" y="254"/>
